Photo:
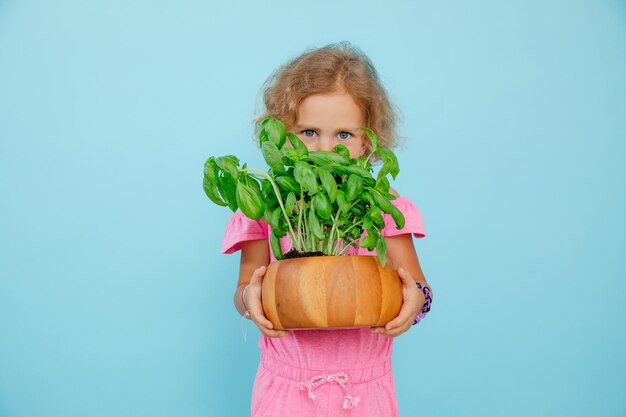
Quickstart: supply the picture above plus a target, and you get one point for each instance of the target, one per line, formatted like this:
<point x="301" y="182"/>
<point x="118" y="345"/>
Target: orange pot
<point x="325" y="292"/>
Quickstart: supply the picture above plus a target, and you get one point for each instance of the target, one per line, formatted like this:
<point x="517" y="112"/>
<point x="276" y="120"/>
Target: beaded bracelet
<point x="426" y="308"/>
<point x="246" y="313"/>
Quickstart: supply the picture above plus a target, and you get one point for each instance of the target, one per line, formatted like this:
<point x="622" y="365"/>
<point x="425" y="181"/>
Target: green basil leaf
<point x="360" y="171"/>
<point x="358" y="211"/>
<point x="305" y="176"/>
<point x="315" y="227"/>
<point x="340" y="169"/>
<point x="290" y="203"/>
<point x="228" y="190"/>
<point x="263" y="137"/>
<point x="382" y="184"/>
<point x="342" y="202"/>
<point x="275" y="245"/>
<point x="390" y="162"/>
<point x="382" y="202"/>
<point x="354" y="187"/>
<point x="322" y="206"/>
<point x="292" y="154"/>
<point x="342" y="150"/>
<point x="372" y="137"/>
<point x="398" y="217"/>
<point x="211" y="191"/>
<point x="211" y="171"/>
<point x="362" y="161"/>
<point x="229" y="164"/>
<point x="268" y="194"/>
<point x="328" y="182"/>
<point x="276" y="131"/>
<point x="288" y="184"/>
<point x="251" y="181"/>
<point x="370" y="240"/>
<point x="267" y="215"/>
<point x="367" y="222"/>
<point x="276" y="217"/>
<point x="298" y="145"/>
<point x="352" y="169"/>
<point x="376" y="216"/>
<point x="249" y="201"/>
<point x="367" y="197"/>
<point x="381" y="251"/>
<point x="273" y="157"/>
<point x="322" y="158"/>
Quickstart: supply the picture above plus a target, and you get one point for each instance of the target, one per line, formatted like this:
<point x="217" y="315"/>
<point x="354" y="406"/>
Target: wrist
<point x="246" y="310"/>
<point x="423" y="286"/>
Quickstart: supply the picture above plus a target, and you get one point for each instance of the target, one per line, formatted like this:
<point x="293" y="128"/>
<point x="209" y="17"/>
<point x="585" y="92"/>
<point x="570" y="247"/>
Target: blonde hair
<point x="338" y="67"/>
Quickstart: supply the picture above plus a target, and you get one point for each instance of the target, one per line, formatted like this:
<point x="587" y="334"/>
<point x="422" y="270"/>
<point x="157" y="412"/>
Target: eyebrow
<point x="310" y="127"/>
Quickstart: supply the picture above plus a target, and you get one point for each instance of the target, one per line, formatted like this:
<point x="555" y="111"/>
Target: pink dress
<point x="323" y="372"/>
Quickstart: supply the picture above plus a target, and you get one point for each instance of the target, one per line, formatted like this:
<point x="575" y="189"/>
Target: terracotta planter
<point x="325" y="292"/>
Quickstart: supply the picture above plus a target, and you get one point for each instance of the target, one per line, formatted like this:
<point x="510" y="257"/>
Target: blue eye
<point x="308" y="133"/>
<point x="344" y="135"/>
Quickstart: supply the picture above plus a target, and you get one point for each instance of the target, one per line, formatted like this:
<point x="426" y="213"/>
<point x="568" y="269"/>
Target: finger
<point x="260" y="319"/>
<point x="399" y="321"/>
<point x="257" y="275"/>
<point x="381" y="331"/>
<point x="390" y="333"/>
<point x="396" y="332"/>
<point x="406" y="277"/>
<point x="274" y="333"/>
<point x="377" y="329"/>
<point x="407" y="314"/>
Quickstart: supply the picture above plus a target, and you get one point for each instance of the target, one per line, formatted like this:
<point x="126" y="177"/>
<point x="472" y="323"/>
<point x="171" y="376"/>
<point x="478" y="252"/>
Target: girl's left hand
<point x="412" y="302"/>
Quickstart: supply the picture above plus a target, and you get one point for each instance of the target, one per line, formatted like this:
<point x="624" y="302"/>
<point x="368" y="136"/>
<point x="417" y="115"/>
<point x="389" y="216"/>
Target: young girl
<point x="324" y="96"/>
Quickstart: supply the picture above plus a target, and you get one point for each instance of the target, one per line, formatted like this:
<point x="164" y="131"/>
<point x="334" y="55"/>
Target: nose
<point x="326" y="143"/>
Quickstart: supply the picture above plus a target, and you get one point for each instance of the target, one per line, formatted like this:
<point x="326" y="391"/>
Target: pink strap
<point x="340" y="378"/>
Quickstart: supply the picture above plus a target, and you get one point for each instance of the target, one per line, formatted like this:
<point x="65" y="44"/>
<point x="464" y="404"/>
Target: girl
<point x="324" y="96"/>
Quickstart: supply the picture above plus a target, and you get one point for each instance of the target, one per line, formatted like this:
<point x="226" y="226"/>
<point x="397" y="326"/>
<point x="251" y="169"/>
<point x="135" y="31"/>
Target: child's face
<point x="325" y="120"/>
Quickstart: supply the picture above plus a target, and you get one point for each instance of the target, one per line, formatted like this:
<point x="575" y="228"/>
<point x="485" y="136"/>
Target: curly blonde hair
<point x="338" y="67"/>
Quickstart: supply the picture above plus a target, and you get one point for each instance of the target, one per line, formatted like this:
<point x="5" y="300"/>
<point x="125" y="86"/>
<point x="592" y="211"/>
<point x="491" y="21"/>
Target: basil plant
<point x="324" y="200"/>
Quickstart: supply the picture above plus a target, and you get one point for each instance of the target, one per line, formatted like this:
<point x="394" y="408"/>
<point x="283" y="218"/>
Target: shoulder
<point x="240" y="229"/>
<point x="412" y="218"/>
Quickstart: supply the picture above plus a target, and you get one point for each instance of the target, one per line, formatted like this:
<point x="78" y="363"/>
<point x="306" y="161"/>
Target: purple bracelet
<point x="426" y="308"/>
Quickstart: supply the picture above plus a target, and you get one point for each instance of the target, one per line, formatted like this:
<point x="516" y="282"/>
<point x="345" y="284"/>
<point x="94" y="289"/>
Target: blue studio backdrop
<point x="114" y="297"/>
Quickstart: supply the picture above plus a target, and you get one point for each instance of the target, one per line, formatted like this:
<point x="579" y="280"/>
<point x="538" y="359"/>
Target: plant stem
<point x="262" y="174"/>
<point x="369" y="156"/>
<point x="338" y="244"/>
<point x="300" y="225"/>
<point x="347" y="246"/>
<point x="329" y="243"/>
<point x="353" y="226"/>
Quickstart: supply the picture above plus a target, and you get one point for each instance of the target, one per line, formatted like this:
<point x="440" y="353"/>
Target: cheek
<point x="360" y="148"/>
<point x="309" y="142"/>
<point x="356" y="150"/>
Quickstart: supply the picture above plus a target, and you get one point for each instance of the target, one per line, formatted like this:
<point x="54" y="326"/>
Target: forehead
<point x="331" y="108"/>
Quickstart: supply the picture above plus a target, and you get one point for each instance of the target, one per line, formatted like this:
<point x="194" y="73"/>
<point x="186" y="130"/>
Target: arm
<point x="255" y="257"/>
<point x="401" y="252"/>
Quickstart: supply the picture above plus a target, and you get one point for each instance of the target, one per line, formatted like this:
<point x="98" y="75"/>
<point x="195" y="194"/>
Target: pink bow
<point x="340" y="378"/>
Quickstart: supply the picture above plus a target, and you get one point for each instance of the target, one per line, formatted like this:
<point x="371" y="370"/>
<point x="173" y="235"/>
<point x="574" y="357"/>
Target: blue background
<point x="114" y="298"/>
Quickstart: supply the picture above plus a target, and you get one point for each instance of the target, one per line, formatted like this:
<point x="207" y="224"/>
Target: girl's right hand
<point x="252" y="298"/>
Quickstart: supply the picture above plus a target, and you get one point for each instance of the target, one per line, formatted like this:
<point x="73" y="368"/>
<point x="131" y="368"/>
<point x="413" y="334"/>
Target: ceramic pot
<point x="329" y="292"/>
